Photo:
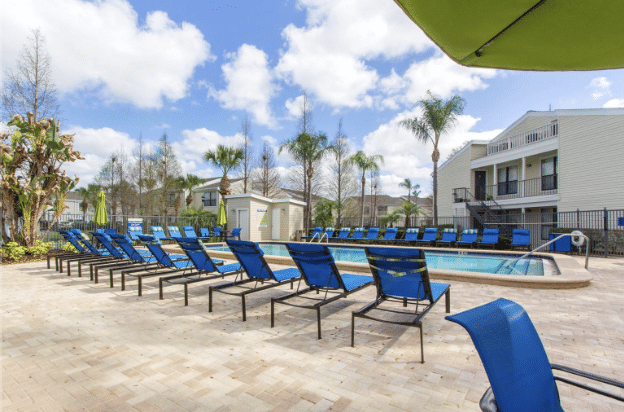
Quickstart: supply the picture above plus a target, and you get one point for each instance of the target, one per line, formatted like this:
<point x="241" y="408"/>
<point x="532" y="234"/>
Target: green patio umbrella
<point x="524" y="34"/>
<point x="101" y="217"/>
<point x="221" y="219"/>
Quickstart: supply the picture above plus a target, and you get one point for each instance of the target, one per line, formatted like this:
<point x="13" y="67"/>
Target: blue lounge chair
<point x="372" y="234"/>
<point x="168" y="263"/>
<point x="320" y="274"/>
<point x="469" y="237"/>
<point x="401" y="276"/>
<point x="489" y="238"/>
<point x="521" y="238"/>
<point x="86" y="253"/>
<point x="411" y="235"/>
<point x="174" y="232"/>
<point x="327" y="234"/>
<point x="189" y="231"/>
<point x="134" y="232"/>
<point x="251" y="259"/>
<point x="429" y="235"/>
<point x="343" y="234"/>
<point x="207" y="268"/>
<point x="218" y="233"/>
<point x="138" y="258"/>
<point x="316" y="234"/>
<point x="449" y="236"/>
<point x="235" y="235"/>
<point x="205" y="233"/>
<point x="515" y="361"/>
<point x="358" y="234"/>
<point x="121" y="259"/>
<point x="390" y="234"/>
<point x="159" y="233"/>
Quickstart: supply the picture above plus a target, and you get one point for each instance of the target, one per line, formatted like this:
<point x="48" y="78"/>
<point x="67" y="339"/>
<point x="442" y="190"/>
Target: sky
<point x="196" y="69"/>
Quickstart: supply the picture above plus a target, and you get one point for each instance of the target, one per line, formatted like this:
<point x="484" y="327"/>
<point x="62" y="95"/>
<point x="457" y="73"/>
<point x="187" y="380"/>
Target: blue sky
<point x="196" y="69"/>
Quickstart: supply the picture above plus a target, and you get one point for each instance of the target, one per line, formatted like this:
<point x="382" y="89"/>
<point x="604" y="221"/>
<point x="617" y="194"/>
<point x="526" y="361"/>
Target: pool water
<point x="448" y="260"/>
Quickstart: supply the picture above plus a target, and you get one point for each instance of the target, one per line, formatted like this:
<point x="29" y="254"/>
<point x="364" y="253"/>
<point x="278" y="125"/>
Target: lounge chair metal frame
<point x="388" y="264"/>
<point x="323" y="256"/>
<point x="239" y="248"/>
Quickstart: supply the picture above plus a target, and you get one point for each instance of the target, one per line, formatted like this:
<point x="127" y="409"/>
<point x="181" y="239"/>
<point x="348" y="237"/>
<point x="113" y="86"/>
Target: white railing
<point x="539" y="134"/>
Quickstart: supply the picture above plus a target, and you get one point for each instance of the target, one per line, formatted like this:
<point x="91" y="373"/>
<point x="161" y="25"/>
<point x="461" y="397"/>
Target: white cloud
<point x="191" y="148"/>
<point x="601" y="86"/>
<point x="614" y="103"/>
<point x="328" y="56"/>
<point x="99" y="45"/>
<point x="405" y="157"/>
<point x="250" y="84"/>
<point x="294" y="106"/>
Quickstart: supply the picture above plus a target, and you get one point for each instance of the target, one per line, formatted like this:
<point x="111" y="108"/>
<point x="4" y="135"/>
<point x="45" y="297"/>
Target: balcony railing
<point x="539" y="134"/>
<point x="542" y="186"/>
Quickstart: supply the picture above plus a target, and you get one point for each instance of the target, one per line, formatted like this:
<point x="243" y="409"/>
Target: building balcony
<point x="545" y="132"/>
<point x="516" y="189"/>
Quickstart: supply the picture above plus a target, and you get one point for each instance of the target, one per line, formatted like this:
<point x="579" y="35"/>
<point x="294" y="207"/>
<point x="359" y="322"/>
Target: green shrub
<point x="13" y="251"/>
<point x="40" y="248"/>
<point x="68" y="247"/>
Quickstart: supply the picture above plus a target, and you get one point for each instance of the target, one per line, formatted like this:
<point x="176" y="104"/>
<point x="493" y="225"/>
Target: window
<point x="210" y="198"/>
<point x="366" y="210"/>
<point x="172" y="199"/>
<point x="549" y="173"/>
<point x="508" y="180"/>
<point x="382" y="210"/>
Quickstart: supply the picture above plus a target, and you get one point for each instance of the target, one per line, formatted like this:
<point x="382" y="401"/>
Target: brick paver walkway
<point x="71" y="345"/>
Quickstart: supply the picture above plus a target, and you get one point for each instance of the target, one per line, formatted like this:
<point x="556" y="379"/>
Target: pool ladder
<point x="575" y="234"/>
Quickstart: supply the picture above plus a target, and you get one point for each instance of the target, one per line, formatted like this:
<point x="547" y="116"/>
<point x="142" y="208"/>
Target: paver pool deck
<point x="71" y="345"/>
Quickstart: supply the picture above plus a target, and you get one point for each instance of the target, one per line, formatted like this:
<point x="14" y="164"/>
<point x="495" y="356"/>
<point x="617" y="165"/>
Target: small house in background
<point x="264" y="219"/>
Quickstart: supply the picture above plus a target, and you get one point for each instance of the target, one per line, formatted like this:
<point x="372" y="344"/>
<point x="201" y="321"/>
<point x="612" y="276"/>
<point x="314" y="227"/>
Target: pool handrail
<point x="574" y="234"/>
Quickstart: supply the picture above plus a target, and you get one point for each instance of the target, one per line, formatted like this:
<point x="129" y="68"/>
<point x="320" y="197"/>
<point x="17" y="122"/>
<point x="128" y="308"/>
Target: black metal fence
<point x="605" y="227"/>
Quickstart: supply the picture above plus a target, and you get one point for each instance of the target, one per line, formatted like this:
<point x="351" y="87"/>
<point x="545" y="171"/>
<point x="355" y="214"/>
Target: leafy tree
<point x="32" y="155"/>
<point x="167" y="171"/>
<point x="365" y="164"/>
<point x="227" y="159"/>
<point x="30" y="88"/>
<point x="199" y="217"/>
<point x="84" y="205"/>
<point x="407" y="183"/>
<point x="391" y="218"/>
<point x="416" y="191"/>
<point x="188" y="183"/>
<point x="410" y="209"/>
<point x="308" y="149"/>
<point x="323" y="213"/>
<point x="438" y="118"/>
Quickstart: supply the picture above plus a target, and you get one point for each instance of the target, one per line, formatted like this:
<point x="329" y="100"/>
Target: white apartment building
<point x="554" y="161"/>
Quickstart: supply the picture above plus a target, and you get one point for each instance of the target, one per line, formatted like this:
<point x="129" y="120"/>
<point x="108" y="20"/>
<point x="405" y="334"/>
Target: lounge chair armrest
<point x="590" y="376"/>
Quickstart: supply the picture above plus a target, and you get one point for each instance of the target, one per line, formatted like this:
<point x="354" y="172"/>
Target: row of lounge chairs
<point x="502" y="331"/>
<point x="489" y="238"/>
<point x="187" y="231"/>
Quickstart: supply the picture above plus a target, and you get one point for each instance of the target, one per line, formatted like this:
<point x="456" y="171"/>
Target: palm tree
<point x="227" y="159"/>
<point x="188" y="183"/>
<point x="365" y="163"/>
<point x="84" y="205"/>
<point x="407" y="183"/>
<point x="438" y="118"/>
<point x="410" y="209"/>
<point x="307" y="149"/>
<point x="416" y="191"/>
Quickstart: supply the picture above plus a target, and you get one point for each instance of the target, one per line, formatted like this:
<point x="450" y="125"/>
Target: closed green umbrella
<point x="221" y="219"/>
<point x="101" y="217"/>
<point x="524" y="34"/>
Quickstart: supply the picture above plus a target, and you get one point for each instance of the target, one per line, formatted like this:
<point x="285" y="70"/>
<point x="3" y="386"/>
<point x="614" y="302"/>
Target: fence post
<point x="606" y="232"/>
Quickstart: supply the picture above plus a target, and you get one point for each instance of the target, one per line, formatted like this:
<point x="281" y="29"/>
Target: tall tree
<point x="342" y="185"/>
<point x="365" y="164"/>
<point x="407" y="184"/>
<point x="84" y="205"/>
<point x="187" y="183"/>
<point x="167" y="172"/>
<point x="140" y="159"/>
<point x="438" y="117"/>
<point x="247" y="156"/>
<point x="31" y="157"/>
<point x="30" y="88"/>
<point x="308" y="149"/>
<point x="267" y="175"/>
<point x="227" y="159"/>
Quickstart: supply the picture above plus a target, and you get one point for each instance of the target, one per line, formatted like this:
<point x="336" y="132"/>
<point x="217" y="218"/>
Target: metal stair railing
<point x="324" y="235"/>
<point x="575" y="234"/>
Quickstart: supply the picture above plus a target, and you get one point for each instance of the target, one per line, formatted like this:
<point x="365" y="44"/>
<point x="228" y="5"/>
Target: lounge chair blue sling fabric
<point x="390" y="234"/>
<point x="521" y="238"/>
<point x="159" y="233"/>
<point x="87" y="253"/>
<point x="174" y="231"/>
<point x="236" y="232"/>
<point x="319" y="272"/>
<point x="515" y="360"/>
<point x="401" y="275"/>
<point x="429" y="235"/>
<point x="358" y="234"/>
<point x="316" y="233"/>
<point x="251" y="258"/>
<point x="449" y="235"/>
<point x="372" y="233"/>
<point x="344" y="233"/>
<point x="411" y="235"/>
<point x="469" y="237"/>
<point x="489" y="238"/>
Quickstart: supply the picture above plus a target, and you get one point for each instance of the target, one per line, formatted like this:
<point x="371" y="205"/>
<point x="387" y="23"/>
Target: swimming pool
<point x="504" y="264"/>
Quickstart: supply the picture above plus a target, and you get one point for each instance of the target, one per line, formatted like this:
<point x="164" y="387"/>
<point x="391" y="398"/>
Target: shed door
<point x="242" y="221"/>
<point x="275" y="224"/>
